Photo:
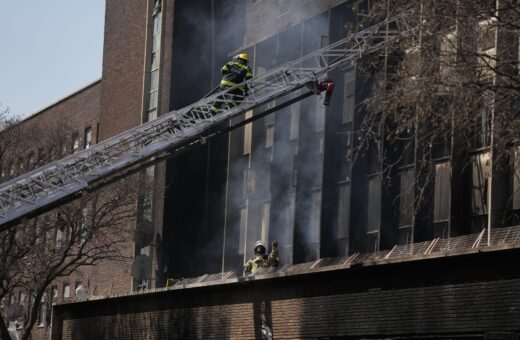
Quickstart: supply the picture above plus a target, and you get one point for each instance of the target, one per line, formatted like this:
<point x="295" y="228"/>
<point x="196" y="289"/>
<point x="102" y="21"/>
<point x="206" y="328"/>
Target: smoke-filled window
<point x="314" y="232"/>
<point x="441" y="204"/>
<point x="343" y="210"/>
<point x="320" y="115"/>
<point x="265" y="222"/>
<point x="248" y="133"/>
<point x="269" y="130"/>
<point x="243" y="231"/>
<point x="295" y="121"/>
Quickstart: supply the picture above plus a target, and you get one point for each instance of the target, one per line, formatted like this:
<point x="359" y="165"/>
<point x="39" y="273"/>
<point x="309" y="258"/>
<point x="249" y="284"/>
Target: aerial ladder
<point x="63" y="180"/>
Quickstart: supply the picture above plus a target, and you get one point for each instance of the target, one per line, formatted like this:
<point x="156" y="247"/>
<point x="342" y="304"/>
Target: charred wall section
<point x="204" y="32"/>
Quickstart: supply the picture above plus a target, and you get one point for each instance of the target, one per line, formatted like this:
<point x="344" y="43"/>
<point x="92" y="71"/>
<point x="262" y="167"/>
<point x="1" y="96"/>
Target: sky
<point x="48" y="50"/>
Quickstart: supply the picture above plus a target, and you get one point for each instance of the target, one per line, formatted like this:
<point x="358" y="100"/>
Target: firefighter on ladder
<point x="261" y="259"/>
<point x="233" y="73"/>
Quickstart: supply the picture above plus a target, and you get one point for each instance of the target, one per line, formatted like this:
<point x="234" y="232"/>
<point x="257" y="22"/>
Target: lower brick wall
<point x="469" y="295"/>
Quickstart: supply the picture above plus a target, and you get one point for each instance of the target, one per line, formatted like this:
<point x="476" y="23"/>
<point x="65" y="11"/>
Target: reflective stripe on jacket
<point x="234" y="73"/>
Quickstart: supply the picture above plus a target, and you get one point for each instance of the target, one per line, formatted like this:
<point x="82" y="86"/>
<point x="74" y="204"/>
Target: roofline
<point x="62" y="99"/>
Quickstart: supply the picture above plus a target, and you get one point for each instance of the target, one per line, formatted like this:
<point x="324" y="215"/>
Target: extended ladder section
<point x="62" y="180"/>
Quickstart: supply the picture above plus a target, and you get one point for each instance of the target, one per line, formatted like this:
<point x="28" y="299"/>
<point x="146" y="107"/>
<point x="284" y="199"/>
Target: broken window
<point x="481" y="172"/>
<point x="343" y="210"/>
<point x="406" y="197"/>
<point x="374" y="204"/>
<point x="442" y="194"/>
<point x="349" y="96"/>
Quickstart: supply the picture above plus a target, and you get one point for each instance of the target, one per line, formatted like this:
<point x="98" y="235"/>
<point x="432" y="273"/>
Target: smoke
<point x="277" y="189"/>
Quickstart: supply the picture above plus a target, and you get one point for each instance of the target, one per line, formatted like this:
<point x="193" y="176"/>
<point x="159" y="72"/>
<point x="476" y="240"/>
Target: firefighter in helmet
<point x="261" y="259"/>
<point x="233" y="73"/>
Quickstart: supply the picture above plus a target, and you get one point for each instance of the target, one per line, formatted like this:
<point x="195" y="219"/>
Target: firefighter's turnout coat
<point x="262" y="261"/>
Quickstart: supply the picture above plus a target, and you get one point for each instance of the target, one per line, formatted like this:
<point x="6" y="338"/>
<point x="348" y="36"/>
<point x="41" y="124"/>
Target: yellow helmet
<point x="243" y="56"/>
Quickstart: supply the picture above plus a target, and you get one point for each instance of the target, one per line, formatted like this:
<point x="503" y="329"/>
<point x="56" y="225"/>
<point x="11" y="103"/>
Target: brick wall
<point x="123" y="66"/>
<point x="470" y="295"/>
<point x="78" y="111"/>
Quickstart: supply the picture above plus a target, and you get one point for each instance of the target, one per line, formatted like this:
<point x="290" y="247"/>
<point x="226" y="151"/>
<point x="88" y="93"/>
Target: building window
<point x="59" y="237"/>
<point x="442" y="194"/>
<point x="269" y="130"/>
<point x="83" y="225"/>
<point x="295" y="121"/>
<point x="77" y="285"/>
<point x="481" y="171"/>
<point x="406" y="198"/>
<point x="243" y="231"/>
<point x="374" y="205"/>
<point x="265" y="222"/>
<point x="372" y="242"/>
<point x="248" y="133"/>
<point x="66" y="291"/>
<point x="343" y="210"/>
<point x="42" y="316"/>
<point x="75" y="142"/>
<point x="349" y="96"/>
<point x="315" y="217"/>
<point x="21" y="298"/>
<point x="154" y="62"/>
<point x="54" y="293"/>
<point x="482" y="126"/>
<point x="250" y="175"/>
<point x="87" y="138"/>
<point x="320" y="115"/>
